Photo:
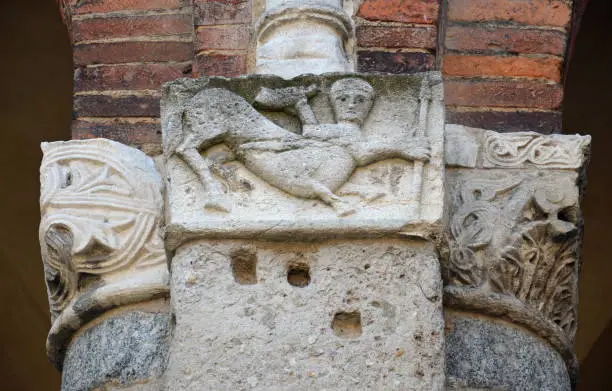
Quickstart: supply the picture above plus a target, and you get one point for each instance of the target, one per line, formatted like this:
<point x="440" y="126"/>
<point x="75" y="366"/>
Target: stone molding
<point x="479" y="148"/>
<point x="514" y="229"/>
<point x="265" y="140"/>
<point x="100" y="233"/>
<point x="298" y="38"/>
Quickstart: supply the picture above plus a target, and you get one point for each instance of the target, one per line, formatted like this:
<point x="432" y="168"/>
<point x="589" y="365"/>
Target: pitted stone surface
<point x="485" y="354"/>
<point x="368" y="317"/>
<point x="119" y="351"/>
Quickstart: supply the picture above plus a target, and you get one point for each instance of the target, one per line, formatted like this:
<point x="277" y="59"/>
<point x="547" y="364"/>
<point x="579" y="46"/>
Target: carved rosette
<point x="514" y="231"/>
<point x="101" y="244"/>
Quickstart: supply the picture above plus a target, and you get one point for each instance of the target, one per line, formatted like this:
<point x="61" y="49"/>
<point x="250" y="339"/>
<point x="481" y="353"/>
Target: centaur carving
<point x="314" y="164"/>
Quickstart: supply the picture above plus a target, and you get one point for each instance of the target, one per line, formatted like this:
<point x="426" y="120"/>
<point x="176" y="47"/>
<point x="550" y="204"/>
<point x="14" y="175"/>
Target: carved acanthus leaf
<point x="520" y="242"/>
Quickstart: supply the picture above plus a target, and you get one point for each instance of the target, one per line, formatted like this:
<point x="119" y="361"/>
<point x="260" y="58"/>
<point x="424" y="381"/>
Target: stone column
<point x="105" y="264"/>
<point x="512" y="261"/>
<point x="304" y="232"/>
<point x="303" y="37"/>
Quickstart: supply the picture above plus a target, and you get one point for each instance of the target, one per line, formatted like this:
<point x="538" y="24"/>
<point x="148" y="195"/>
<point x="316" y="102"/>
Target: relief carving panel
<point x="316" y="155"/>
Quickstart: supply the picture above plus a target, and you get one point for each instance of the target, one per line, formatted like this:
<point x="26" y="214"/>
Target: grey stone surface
<point x="484" y="353"/>
<point x="334" y="315"/>
<point x="119" y="351"/>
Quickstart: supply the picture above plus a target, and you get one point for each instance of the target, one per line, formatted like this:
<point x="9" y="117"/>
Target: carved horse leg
<point x="327" y="196"/>
<point x="201" y="166"/>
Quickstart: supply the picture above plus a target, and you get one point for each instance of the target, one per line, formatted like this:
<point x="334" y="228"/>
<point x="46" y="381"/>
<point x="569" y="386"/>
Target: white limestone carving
<point x="480" y="148"/>
<point x="303" y="37"/>
<point x="528" y="148"/>
<point x="513" y="243"/>
<point x="354" y="159"/>
<point x="101" y="211"/>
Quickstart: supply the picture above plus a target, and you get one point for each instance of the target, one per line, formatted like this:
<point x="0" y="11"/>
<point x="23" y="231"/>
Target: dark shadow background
<point x="35" y="105"/>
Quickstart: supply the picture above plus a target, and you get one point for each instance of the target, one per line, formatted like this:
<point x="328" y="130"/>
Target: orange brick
<point x="84" y="7"/>
<point x="396" y="36"/>
<point x="469" y="66"/>
<point x="233" y="37"/>
<point x="503" y="93"/>
<point x="117" y="27"/>
<point x="509" y="40"/>
<point x="217" y="64"/>
<point x="532" y="12"/>
<point x="129" y="76"/>
<point x="135" y="51"/>
<point x="407" y="11"/>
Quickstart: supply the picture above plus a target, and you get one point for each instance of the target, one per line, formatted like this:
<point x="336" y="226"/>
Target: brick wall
<point x="503" y="60"/>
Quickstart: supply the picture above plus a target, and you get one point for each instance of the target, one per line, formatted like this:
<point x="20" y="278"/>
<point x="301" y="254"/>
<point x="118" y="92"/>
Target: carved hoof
<point x="219" y="204"/>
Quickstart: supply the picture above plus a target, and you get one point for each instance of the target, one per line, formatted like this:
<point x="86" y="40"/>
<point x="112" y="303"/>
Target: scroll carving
<point x="518" y="237"/>
<point x="516" y="149"/>
<point x="101" y="207"/>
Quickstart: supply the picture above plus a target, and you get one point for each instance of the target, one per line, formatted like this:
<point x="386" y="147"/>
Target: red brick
<point x="396" y="36"/>
<point x="407" y="11"/>
<point x="90" y="6"/>
<point x="512" y="40"/>
<point x="394" y="62"/>
<point x="216" y="64"/>
<point x="227" y="37"/>
<point x="210" y="12"/>
<point x="132" y="51"/>
<point x="136" y="132"/>
<point x="116" y="27"/>
<point x="546" y="67"/>
<point x="503" y="93"/>
<point x="116" y="106"/>
<point x="128" y="77"/>
<point x="531" y="12"/>
<point x="545" y="122"/>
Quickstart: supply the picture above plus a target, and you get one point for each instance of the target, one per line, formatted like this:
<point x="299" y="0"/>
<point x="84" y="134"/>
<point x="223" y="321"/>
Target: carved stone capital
<point x="514" y="229"/>
<point x="303" y="37"/>
<point x="101" y="243"/>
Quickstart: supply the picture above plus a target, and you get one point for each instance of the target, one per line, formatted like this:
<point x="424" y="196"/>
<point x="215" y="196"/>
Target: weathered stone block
<point x="280" y="316"/>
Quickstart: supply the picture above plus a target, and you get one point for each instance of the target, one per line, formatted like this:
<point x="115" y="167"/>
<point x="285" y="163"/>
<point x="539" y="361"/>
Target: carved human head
<point x="352" y="100"/>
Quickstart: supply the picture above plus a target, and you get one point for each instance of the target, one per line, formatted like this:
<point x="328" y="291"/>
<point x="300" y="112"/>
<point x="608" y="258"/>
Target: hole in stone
<point x="298" y="274"/>
<point x="366" y="266"/>
<point x="244" y="266"/>
<point x="347" y="324"/>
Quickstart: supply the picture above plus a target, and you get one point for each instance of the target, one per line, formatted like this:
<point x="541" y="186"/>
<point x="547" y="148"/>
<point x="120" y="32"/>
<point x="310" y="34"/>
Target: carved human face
<point x="352" y="100"/>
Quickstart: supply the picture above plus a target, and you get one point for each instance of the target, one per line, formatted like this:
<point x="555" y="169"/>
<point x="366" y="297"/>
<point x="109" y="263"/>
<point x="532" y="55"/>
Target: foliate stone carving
<point x="303" y="37"/>
<point x="472" y="147"/>
<point x="323" y="154"/>
<point x="101" y="210"/>
<point x="513" y="249"/>
<point x="517" y="149"/>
